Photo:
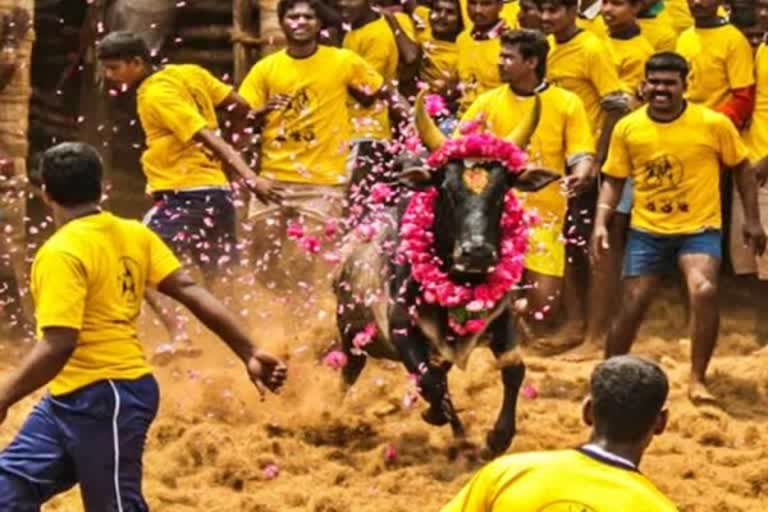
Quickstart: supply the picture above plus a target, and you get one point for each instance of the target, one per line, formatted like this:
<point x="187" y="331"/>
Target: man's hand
<point x="266" y="190"/>
<point x="577" y="183"/>
<point x="277" y="102"/>
<point x="267" y="372"/>
<point x="598" y="244"/>
<point x="754" y="236"/>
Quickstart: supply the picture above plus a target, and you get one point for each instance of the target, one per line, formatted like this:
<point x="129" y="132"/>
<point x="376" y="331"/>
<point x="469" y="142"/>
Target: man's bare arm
<point x="40" y="366"/>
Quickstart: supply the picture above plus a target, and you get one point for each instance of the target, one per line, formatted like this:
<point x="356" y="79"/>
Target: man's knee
<point x="703" y="290"/>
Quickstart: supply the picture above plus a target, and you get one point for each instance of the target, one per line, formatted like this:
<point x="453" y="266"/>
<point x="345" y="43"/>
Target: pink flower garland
<point x="479" y="146"/>
<point x="416" y="245"/>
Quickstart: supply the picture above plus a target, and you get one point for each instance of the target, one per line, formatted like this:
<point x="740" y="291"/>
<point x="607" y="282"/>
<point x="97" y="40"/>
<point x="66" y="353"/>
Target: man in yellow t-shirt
<point x="626" y="410"/>
<point x="88" y="280"/>
<point x="581" y="62"/>
<point x="562" y="140"/>
<point x="721" y="63"/>
<point x="185" y="158"/>
<point x="479" y="46"/>
<point x="438" y="68"/>
<point x="305" y="145"/>
<point x="674" y="150"/>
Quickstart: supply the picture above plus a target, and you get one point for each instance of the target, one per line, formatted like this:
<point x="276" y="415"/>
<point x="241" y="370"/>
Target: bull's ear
<point x="532" y="180"/>
<point x="417" y="176"/>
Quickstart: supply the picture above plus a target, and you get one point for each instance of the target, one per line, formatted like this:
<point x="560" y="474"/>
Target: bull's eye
<point x="475" y="179"/>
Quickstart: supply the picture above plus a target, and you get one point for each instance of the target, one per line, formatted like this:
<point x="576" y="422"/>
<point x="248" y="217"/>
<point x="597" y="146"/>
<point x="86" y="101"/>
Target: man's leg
<point x="700" y="263"/>
<point x="647" y="257"/>
<point x="35" y="466"/>
<point x="107" y="424"/>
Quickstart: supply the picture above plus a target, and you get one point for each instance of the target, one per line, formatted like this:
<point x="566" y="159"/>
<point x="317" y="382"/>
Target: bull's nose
<point x="474" y="257"/>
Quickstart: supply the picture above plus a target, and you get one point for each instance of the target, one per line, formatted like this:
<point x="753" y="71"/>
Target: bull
<point x="375" y="288"/>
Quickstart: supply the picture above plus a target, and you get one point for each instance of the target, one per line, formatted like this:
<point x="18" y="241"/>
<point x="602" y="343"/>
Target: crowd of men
<point x="648" y="110"/>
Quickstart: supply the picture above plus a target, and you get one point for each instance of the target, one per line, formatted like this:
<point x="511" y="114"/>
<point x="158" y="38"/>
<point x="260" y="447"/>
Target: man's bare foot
<point x="699" y="394"/>
<point x="587" y="351"/>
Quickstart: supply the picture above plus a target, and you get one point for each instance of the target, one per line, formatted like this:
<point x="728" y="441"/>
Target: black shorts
<point x="197" y="224"/>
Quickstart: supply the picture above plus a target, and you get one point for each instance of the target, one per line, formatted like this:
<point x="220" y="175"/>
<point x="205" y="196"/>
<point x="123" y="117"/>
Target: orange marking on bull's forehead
<point x="475" y="179"/>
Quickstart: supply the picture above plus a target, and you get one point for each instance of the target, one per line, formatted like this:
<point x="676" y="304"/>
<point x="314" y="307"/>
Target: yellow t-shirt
<point x="659" y="31"/>
<point x="756" y="136"/>
<point x="563" y="132"/>
<point x="174" y="104"/>
<point x="595" y="25"/>
<point x="477" y="65"/>
<point x="680" y="13"/>
<point x="439" y="62"/>
<point x="720" y="60"/>
<point x="91" y="276"/>
<point x="675" y="167"/>
<point x="630" y="55"/>
<point x="308" y="141"/>
<point x="584" y="66"/>
<point x="375" y="42"/>
<point x="508" y="13"/>
<point x="558" y="481"/>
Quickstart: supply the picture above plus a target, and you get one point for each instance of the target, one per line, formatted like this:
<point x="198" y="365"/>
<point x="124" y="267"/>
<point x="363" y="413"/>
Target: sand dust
<point x="216" y="447"/>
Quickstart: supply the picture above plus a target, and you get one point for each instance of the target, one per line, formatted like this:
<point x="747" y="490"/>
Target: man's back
<point x="559" y="481"/>
<point x="91" y="276"/>
<point x="174" y="104"/>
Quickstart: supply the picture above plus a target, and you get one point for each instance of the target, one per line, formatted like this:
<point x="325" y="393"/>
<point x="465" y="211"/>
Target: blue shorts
<point x="649" y="254"/>
<point x="93" y="436"/>
<point x="200" y="225"/>
<point x="627" y="198"/>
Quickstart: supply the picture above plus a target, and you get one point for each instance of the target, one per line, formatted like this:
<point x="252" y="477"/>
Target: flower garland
<point x="469" y="306"/>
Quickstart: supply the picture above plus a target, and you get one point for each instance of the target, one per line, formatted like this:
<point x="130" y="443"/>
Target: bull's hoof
<point x="496" y="443"/>
<point x="435" y="416"/>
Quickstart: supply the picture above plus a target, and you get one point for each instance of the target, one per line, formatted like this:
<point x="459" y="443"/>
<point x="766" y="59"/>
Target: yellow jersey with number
<point x="174" y="104"/>
<point x="308" y="141"/>
<point x="563" y="132"/>
<point x="720" y="60"/>
<point x="375" y="43"/>
<point x="629" y="56"/>
<point x="584" y="66"/>
<point x="90" y="276"/>
<point x="477" y="65"/>
<point x="558" y="481"/>
<point x="675" y="166"/>
<point x="659" y="31"/>
<point x="756" y="136"/>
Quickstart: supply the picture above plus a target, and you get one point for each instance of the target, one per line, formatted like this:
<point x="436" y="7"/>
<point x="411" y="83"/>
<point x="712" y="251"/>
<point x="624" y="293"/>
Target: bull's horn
<point x="430" y="134"/>
<point x="522" y="133"/>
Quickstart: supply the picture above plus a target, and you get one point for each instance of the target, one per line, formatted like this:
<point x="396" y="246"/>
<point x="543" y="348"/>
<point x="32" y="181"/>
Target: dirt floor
<point x="216" y="447"/>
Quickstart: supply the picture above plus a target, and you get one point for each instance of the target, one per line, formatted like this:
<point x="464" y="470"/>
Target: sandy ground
<point x="214" y="439"/>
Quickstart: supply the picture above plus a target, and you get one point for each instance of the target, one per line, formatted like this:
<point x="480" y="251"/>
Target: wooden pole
<point x="241" y="21"/>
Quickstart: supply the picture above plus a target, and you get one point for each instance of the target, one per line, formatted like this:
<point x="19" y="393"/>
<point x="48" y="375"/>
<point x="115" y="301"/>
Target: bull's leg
<point x="512" y="368"/>
<point x="432" y="380"/>
<point x="355" y="361"/>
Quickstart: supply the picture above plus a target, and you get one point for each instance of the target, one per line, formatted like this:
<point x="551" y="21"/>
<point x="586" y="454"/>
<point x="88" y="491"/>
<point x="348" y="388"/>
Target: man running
<point x="88" y="281"/>
<point x="185" y="159"/>
<point x="673" y="150"/>
<point x="562" y="140"/>
<point x="625" y="409"/>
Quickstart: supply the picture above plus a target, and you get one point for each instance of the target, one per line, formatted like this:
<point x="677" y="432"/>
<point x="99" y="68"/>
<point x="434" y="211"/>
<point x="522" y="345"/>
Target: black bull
<point x="372" y="288"/>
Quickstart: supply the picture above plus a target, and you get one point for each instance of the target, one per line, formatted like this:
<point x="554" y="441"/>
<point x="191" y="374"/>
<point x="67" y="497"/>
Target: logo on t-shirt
<point x="661" y="179"/>
<point x="566" y="506"/>
<point x="128" y="281"/>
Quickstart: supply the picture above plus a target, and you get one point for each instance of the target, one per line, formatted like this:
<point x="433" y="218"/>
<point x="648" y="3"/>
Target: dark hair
<point x="743" y="16"/>
<point x="627" y="393"/>
<point x="71" y="173"/>
<point x="667" y="61"/>
<point x="530" y="43"/>
<point x="284" y="5"/>
<point x="122" y="45"/>
<point x="562" y="3"/>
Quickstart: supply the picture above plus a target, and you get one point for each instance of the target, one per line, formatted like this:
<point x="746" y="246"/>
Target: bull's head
<point x="471" y="195"/>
